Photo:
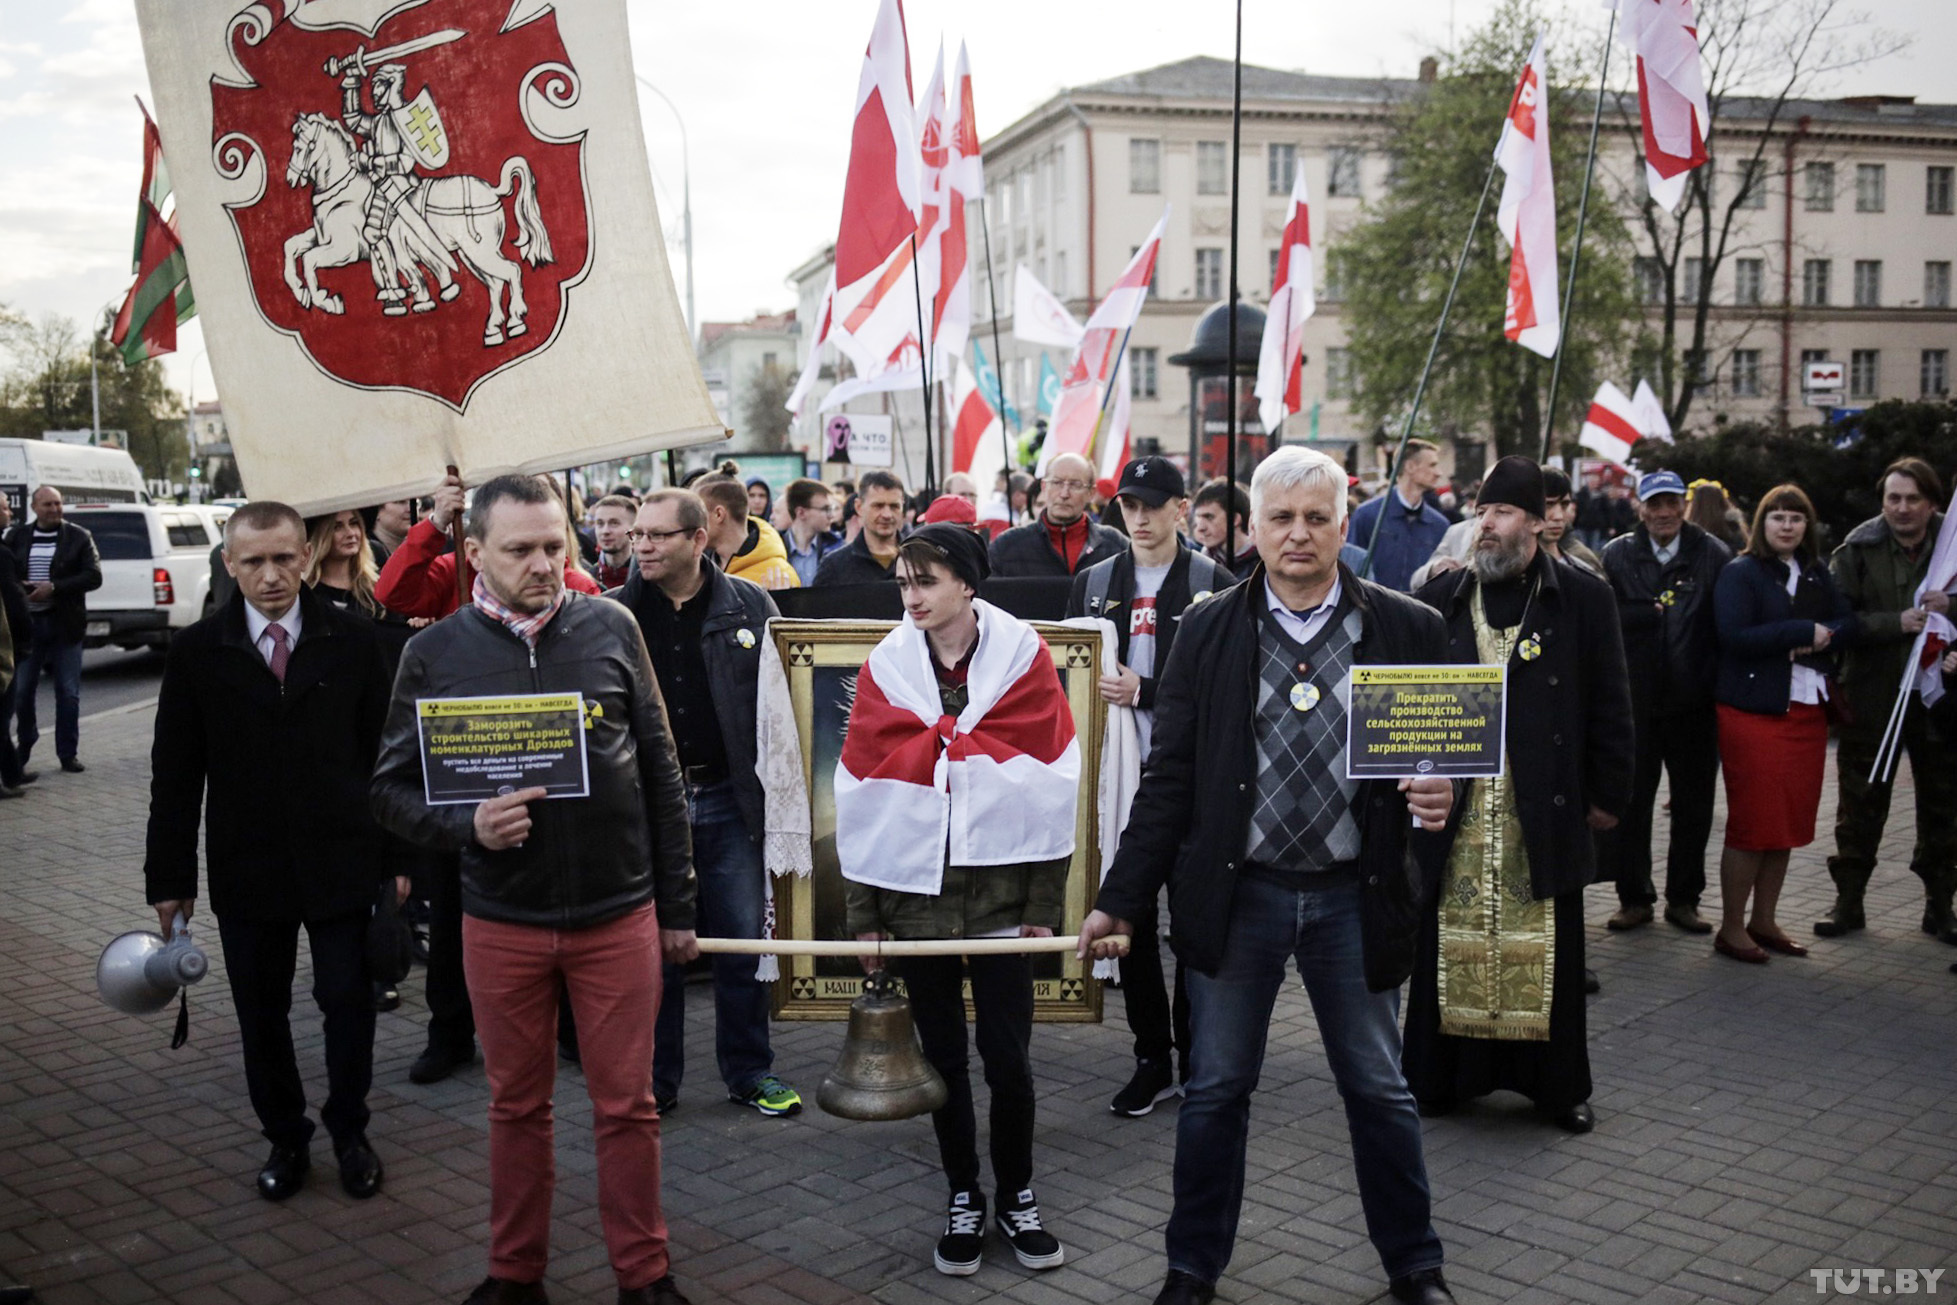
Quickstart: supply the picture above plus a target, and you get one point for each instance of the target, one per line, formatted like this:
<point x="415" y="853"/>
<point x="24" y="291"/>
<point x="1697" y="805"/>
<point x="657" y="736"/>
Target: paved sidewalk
<point x="1754" y="1125"/>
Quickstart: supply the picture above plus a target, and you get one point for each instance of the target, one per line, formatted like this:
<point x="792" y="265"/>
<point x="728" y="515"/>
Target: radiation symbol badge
<point x="744" y="637"/>
<point x="1304" y="697"/>
<point x="1530" y="648"/>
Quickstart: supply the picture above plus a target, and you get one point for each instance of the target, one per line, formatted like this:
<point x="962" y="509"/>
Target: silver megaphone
<point x="140" y="972"/>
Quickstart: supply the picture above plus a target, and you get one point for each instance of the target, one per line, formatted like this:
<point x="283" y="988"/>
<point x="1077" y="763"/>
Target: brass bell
<point x="882" y="1073"/>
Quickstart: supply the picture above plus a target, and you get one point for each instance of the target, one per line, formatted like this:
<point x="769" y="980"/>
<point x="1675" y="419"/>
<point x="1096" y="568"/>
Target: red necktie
<point x="281" y="653"/>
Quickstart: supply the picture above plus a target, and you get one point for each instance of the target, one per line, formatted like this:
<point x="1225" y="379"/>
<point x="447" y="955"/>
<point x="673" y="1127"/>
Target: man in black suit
<point x="273" y="706"/>
<point x="58" y="561"/>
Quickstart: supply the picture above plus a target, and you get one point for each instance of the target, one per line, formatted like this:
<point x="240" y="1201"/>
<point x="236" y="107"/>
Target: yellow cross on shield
<point x="422" y="130"/>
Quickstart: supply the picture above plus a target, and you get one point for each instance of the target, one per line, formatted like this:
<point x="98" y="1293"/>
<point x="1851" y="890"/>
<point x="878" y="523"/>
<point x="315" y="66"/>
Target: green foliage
<point x="1397" y="264"/>
<point x="1839" y="465"/>
<point x="45" y="385"/>
<point x="764" y="419"/>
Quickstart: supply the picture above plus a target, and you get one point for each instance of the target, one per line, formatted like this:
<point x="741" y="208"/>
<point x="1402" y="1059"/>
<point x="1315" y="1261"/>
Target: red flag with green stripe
<point x="146" y="325"/>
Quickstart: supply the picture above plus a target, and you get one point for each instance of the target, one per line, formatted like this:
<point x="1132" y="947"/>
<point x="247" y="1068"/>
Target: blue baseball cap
<point x="1652" y="484"/>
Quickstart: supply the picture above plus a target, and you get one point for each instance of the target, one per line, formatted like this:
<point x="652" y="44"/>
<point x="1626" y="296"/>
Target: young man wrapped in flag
<point x="955" y="812"/>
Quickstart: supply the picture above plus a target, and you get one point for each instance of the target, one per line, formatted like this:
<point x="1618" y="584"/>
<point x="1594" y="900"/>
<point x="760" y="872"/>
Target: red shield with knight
<point x="419" y="227"/>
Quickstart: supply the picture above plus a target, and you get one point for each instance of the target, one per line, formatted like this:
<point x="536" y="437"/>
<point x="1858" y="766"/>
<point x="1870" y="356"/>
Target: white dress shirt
<point x="257" y="623"/>
<point x="1303" y="626"/>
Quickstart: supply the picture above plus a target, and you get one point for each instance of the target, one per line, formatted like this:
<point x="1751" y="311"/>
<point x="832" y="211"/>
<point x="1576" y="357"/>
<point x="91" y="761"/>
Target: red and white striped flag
<point x="1280" y="363"/>
<point x="1527" y="216"/>
<point x="824" y="315"/>
<point x="1939" y="632"/>
<point x="1038" y="316"/>
<point x="1084" y="387"/>
<point x="1611" y="427"/>
<point x="1111" y="450"/>
<point x="957" y="179"/>
<point x="875" y="304"/>
<point x="1663" y="35"/>
<point x="977" y="442"/>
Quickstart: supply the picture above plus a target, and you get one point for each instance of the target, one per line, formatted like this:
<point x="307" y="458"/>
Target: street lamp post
<point x="686" y="203"/>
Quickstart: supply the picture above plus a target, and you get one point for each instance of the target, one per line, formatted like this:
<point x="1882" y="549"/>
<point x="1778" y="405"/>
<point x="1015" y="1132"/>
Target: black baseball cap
<point x="1153" y="480"/>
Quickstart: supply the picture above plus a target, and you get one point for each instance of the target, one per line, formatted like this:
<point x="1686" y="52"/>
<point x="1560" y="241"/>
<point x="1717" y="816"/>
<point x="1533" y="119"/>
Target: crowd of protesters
<point x="1662" y="639"/>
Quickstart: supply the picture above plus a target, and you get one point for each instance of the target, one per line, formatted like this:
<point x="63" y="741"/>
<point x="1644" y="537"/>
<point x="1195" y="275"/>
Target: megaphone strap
<point x="182" y="1034"/>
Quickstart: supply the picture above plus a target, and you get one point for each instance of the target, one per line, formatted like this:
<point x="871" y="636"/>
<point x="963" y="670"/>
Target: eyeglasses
<point x="1076" y="486"/>
<point x="634" y="536"/>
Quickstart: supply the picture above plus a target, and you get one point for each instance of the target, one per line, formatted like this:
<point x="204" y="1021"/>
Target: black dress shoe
<point x="360" y="1170"/>
<point x="386" y="997"/>
<point x="437" y="1062"/>
<point x="28" y="776"/>
<point x="1591" y="984"/>
<point x="1839" y="923"/>
<point x="506" y="1291"/>
<point x="14" y="1294"/>
<point x="1579" y="1118"/>
<point x="72" y="766"/>
<point x="663" y="1292"/>
<point x="1181" y="1288"/>
<point x="284" y="1172"/>
<point x="1426" y="1287"/>
<point x="1434" y="1109"/>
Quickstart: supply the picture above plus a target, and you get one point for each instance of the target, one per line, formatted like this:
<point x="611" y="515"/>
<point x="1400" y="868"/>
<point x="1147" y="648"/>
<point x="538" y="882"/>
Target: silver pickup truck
<point x="156" y="570"/>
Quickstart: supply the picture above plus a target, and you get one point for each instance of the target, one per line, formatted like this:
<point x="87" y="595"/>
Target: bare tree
<point x="1762" y="58"/>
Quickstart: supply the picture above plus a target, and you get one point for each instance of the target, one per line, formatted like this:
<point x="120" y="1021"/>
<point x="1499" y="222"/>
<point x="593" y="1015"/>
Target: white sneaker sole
<point x="955" y="1269"/>
<point x="1053" y="1261"/>
<point x="1173" y="1090"/>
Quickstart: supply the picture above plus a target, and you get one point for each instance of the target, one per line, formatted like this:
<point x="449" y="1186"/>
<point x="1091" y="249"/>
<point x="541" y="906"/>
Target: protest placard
<point x="1411" y="722"/>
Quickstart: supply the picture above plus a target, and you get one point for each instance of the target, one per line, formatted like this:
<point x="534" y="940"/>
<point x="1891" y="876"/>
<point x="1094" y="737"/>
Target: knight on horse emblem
<point x="398" y="138"/>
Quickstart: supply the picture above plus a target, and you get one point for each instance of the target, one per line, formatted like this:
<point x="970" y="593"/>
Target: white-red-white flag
<point x="824" y="313"/>
<point x="1939" y="632"/>
<point x="977" y="435"/>
<point x="1038" y="315"/>
<point x="1663" y="36"/>
<point x="1111" y="450"/>
<point x="1527" y="216"/>
<point x="1648" y="414"/>
<point x="1280" y="363"/>
<point x="960" y="180"/>
<point x="1084" y="388"/>
<point x="1611" y="426"/>
<point x="876" y="290"/>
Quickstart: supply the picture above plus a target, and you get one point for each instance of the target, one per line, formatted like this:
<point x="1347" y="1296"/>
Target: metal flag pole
<point x="924" y="367"/>
<point x="992" y="303"/>
<point x="1236" y="177"/>
<point x="1420" y="391"/>
<point x="1107" y="395"/>
<point x="1576" y="250"/>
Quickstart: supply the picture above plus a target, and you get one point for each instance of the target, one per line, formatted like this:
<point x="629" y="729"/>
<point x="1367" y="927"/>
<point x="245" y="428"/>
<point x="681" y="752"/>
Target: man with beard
<point x="1497" y="994"/>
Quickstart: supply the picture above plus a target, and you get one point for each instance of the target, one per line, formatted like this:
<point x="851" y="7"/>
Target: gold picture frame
<point x="822" y="659"/>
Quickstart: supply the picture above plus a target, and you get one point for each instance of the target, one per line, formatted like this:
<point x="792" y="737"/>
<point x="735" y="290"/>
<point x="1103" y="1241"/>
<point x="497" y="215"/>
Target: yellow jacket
<point x="764" y="560"/>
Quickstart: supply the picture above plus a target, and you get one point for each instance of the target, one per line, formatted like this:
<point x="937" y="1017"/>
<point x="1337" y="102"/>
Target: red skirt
<point x="1774" y="766"/>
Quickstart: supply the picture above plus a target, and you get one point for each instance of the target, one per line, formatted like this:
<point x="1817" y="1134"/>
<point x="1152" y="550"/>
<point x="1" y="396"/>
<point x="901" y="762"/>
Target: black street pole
<point x="924" y="368"/>
<point x="1236" y="176"/>
<point x="1576" y="252"/>
<point x="998" y="356"/>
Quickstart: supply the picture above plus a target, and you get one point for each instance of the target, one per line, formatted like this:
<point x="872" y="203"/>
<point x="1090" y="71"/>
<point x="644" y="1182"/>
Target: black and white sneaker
<point x="963" y="1244"/>
<point x="1019" y="1223"/>
<point x="1153" y="1082"/>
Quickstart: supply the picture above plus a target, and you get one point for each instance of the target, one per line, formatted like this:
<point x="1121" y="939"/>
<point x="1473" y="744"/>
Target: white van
<point x="83" y="474"/>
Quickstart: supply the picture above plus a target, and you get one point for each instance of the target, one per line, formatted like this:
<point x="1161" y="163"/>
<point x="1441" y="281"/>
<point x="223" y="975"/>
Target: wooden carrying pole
<point x="897" y="947"/>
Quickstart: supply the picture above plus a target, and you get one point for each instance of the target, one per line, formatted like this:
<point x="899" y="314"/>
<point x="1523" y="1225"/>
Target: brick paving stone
<point x="1753" y="1124"/>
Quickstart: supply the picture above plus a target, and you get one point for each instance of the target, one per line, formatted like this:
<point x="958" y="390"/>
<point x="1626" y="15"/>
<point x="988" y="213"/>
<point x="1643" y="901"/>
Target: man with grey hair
<point x="1497" y="995"/>
<point x="1270" y="854"/>
<point x="1063" y="540"/>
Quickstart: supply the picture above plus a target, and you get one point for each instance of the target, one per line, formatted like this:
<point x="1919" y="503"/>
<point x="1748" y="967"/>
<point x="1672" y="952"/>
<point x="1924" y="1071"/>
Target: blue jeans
<point x="65" y="660"/>
<point x="1230" y="1018"/>
<point x="730" y="905"/>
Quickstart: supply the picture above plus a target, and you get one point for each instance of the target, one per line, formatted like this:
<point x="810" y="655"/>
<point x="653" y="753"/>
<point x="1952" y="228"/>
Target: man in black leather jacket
<point x="589" y="891"/>
<point x="1663" y="575"/>
<point x="704" y="629"/>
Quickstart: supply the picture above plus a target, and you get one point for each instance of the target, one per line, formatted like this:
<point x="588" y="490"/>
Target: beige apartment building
<point x="1856" y="270"/>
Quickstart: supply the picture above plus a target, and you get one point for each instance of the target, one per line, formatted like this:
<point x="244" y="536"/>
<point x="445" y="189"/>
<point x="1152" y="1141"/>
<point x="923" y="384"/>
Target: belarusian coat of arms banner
<point x="422" y="232"/>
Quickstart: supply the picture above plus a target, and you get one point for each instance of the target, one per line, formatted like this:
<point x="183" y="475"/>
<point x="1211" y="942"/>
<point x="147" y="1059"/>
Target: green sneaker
<point x="770" y="1096"/>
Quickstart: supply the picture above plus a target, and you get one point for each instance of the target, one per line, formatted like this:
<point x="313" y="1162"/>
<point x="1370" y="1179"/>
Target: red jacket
<point x="419" y="578"/>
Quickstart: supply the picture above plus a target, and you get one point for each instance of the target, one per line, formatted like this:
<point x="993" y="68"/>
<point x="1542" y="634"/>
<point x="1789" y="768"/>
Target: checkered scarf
<point x="524" y="625"/>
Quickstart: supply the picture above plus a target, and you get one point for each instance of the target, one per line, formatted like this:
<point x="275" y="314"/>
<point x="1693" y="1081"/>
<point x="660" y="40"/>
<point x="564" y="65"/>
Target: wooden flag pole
<point x="1420" y="391"/>
<point x="1236" y="175"/>
<point x="924" y="368"/>
<point x="1576" y="250"/>
<point x="461" y="558"/>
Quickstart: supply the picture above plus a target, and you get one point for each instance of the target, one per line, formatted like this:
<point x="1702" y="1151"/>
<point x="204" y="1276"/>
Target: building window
<point x="1821" y="187"/>
<point x="1342" y="171"/>
<point x="1212" y="167"/>
<point x="1936" y="284"/>
<point x="1753" y="183"/>
<point x="1059" y="285"/>
<point x="1864" y="370"/>
<point x="1274" y="258"/>
<point x="1936" y="189"/>
<point x="1746" y="373"/>
<point x="1338" y="373"/>
<point x="1749" y="280"/>
<point x="1814" y="283"/>
<point x="1695" y="276"/>
<point x="1282" y="167"/>
<point x="1648" y="279"/>
<point x="1334" y="290"/>
<point x="1868" y="283"/>
<point x="769" y="361"/>
<point x="1209" y="274"/>
<point x="1936" y="373"/>
<point x="1871" y="187"/>
<point x="1154" y="271"/>
<point x="1059" y="174"/>
<point x="1696" y="372"/>
<point x="1042" y="176"/>
<point x="1144" y="167"/>
<point x="1141" y="374"/>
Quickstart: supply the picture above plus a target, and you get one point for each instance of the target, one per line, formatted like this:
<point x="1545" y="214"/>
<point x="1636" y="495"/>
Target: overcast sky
<point x="766" y="87"/>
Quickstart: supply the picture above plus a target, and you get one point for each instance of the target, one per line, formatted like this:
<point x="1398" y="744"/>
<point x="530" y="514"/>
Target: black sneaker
<point x="1019" y="1223"/>
<point x="963" y="1244"/>
<point x="1152" y="1082"/>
